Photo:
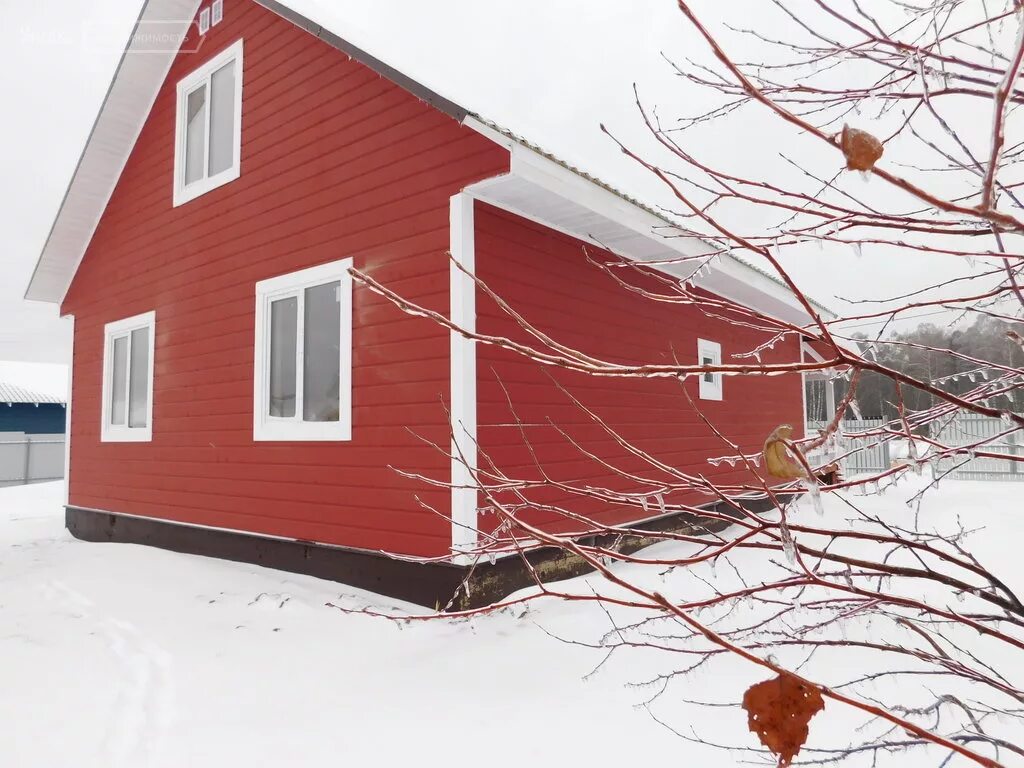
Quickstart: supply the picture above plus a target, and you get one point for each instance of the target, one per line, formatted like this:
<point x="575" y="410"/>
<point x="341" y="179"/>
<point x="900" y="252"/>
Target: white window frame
<point x="275" y="428"/>
<point x="710" y="390"/>
<point x="203" y="75"/>
<point x="123" y="433"/>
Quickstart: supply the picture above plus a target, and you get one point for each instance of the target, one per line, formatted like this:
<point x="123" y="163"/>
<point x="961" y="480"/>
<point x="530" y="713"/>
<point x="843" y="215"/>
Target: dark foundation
<point x="434" y="585"/>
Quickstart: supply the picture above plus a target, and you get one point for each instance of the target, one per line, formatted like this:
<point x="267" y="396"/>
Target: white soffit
<point x="544" y="191"/>
<point x="140" y="73"/>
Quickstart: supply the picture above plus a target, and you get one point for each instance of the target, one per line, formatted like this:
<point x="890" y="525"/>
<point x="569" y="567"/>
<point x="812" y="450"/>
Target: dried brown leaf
<point x="777" y="461"/>
<point x="862" y="150"/>
<point x="779" y="712"/>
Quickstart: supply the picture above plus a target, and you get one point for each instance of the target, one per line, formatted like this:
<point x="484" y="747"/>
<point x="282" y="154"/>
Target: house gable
<point x="297" y="63"/>
<point x="336" y="162"/>
<point x="141" y="70"/>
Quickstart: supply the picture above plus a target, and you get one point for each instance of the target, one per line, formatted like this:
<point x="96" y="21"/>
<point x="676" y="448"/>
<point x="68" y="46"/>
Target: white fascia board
<point x="488" y="132"/>
<point x="126" y="107"/>
<point x="811" y="353"/>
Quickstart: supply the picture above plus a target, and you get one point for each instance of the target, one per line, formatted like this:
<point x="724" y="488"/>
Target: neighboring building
<point x="31" y="436"/>
<point x="235" y="394"/>
<point x="27" y="412"/>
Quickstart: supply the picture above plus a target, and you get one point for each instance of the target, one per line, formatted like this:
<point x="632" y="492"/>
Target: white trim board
<point x="803" y="387"/>
<point x="67" y="415"/>
<point x="811" y="352"/>
<point x="463" y="378"/>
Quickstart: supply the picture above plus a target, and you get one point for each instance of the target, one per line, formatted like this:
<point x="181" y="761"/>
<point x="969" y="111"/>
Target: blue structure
<point x="33" y="413"/>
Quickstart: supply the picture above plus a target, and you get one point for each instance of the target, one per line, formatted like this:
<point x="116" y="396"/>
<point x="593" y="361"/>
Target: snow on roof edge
<point x="11" y="393"/>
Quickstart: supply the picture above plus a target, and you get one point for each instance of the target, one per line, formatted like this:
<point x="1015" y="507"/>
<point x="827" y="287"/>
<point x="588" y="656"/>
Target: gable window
<point x="302" y="387"/>
<point x="710" y="353"/>
<point x="128" y="379"/>
<point x="208" y="133"/>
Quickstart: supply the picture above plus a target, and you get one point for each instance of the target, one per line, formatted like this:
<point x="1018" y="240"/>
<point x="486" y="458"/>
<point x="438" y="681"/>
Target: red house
<point x="236" y="393"/>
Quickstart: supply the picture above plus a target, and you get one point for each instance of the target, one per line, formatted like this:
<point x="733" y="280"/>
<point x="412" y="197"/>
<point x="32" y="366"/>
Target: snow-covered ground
<point x="117" y="655"/>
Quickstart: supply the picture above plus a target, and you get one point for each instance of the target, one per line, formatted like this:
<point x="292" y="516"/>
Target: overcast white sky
<point x="551" y="71"/>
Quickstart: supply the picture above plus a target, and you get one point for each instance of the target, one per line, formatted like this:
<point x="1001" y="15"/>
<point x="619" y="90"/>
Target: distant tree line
<point x="925" y="353"/>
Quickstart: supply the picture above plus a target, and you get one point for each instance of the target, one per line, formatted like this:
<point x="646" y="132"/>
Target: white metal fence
<point x="869" y="454"/>
<point x="30" y="459"/>
<point x="858" y="455"/>
<point x="967" y="429"/>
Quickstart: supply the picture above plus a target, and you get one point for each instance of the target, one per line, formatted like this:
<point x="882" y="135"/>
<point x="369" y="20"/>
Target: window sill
<point x="126" y="435"/>
<point x="302" y="432"/>
<point x="200" y="188"/>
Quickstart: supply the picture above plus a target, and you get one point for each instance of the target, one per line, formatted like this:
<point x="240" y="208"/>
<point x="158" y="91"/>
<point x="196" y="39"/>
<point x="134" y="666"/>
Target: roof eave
<point x="651" y="220"/>
<point x="118" y="123"/>
<point x="90" y="188"/>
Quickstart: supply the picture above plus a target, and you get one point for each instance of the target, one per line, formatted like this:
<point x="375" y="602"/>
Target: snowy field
<point x="117" y="655"/>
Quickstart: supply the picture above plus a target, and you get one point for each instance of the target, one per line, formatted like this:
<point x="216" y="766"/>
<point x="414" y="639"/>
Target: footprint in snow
<point x="144" y="701"/>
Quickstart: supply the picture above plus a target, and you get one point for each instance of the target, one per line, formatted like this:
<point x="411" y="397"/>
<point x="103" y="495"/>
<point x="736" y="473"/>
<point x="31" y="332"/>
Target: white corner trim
<point x="182" y="193"/>
<point x="267" y="428"/>
<point x="463" y="379"/>
<point x="811" y="352"/>
<point x="67" y="415"/>
<point x="803" y="388"/>
<point x="486" y="131"/>
<point x="111" y="433"/>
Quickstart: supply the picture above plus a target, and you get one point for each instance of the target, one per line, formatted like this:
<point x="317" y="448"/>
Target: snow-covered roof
<point x="139" y="77"/>
<point x="10" y="394"/>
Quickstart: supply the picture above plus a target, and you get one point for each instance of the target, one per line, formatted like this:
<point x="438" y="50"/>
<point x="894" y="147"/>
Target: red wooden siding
<point x="546" y="277"/>
<point x="336" y="162"/>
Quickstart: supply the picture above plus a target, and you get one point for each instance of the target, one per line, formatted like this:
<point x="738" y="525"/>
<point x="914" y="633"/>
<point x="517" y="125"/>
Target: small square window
<point x="218" y="12"/>
<point x="208" y="140"/>
<point x="709" y="377"/>
<point x="303" y="377"/>
<point x="710" y="353"/>
<point x="127" y="410"/>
